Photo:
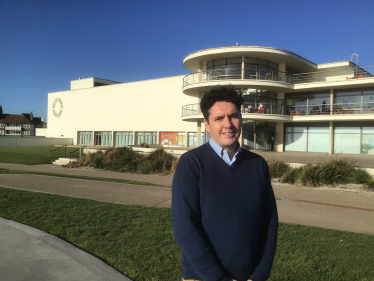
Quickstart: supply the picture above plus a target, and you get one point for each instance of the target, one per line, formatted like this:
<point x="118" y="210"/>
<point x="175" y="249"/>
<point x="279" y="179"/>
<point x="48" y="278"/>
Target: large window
<point x="192" y="138"/>
<point x="311" y="137"/>
<point x="356" y="101"/>
<point x="232" y="69"/>
<point x="354" y="137"/>
<point x="85" y="138"/>
<point x="367" y="146"/>
<point x="311" y="103"/>
<point x="147" y="137"/>
<point x="103" y="138"/>
<point x="122" y="139"/>
<point x="172" y="138"/>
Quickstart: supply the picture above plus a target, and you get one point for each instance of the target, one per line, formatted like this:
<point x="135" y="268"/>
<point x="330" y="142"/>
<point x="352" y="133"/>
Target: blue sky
<point x="46" y="44"/>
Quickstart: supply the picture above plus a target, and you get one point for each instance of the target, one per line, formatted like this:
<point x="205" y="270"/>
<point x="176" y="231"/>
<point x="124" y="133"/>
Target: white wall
<point x="150" y="105"/>
<point x="41" y="132"/>
<point x="33" y="141"/>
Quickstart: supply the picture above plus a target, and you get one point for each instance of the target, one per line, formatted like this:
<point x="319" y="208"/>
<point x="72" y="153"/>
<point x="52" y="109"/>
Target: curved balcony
<point x="257" y="111"/>
<point x="275" y="112"/>
<point x="257" y="78"/>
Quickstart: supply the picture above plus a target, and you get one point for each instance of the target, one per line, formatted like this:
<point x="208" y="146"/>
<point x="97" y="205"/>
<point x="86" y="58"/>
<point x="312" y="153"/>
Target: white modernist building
<point x="291" y="104"/>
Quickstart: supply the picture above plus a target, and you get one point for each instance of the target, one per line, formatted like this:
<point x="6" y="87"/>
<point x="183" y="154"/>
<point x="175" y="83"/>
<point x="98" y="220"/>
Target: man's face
<point x="225" y="124"/>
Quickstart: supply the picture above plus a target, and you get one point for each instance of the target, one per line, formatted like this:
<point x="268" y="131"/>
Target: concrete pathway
<point x="29" y="254"/>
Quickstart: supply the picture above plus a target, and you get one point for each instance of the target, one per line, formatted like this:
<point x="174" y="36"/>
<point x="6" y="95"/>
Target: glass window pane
<point x="234" y="60"/>
<point x="347" y="143"/>
<point x="273" y="65"/>
<point x="368" y="130"/>
<point x="263" y="62"/>
<point x="296" y="130"/>
<point x="220" y="62"/>
<point x="367" y="144"/>
<point x="209" y="65"/>
<point x="318" y="140"/>
<point x="295" y="141"/>
<point x="347" y="130"/>
<point x="250" y="61"/>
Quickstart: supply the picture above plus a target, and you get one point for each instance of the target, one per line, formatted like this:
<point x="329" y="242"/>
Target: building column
<point x="331" y="139"/>
<point x="186" y="139"/>
<point x="133" y="137"/>
<point x="158" y="137"/>
<point x="243" y="64"/>
<point x="280" y="110"/>
<point x="198" y="135"/>
<point x="279" y="137"/>
<point x="331" y="101"/>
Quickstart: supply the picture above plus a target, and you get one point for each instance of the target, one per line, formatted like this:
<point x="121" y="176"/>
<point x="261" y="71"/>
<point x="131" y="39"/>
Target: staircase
<point x="63" y="161"/>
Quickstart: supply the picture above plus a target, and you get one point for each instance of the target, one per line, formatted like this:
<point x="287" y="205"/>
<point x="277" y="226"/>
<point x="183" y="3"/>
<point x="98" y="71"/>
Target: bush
<point x="277" y="168"/>
<point x="361" y="176"/>
<point x="291" y="175"/>
<point x="125" y="159"/>
<point x="309" y="175"/>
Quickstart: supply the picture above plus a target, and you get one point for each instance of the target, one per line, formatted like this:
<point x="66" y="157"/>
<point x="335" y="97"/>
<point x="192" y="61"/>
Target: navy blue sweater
<point x="224" y="217"/>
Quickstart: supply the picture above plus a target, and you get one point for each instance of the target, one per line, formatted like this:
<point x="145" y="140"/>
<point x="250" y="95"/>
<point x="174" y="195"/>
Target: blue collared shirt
<point x="223" y="153"/>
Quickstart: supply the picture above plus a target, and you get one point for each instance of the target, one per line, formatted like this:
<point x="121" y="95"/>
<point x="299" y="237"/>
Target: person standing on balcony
<point x="250" y="108"/>
<point x="223" y="207"/>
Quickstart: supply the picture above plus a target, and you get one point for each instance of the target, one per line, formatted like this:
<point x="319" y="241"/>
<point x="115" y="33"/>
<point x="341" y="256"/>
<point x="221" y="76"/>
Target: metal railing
<point x="191" y="109"/>
<point x="326" y="109"/>
<point x="334" y="75"/>
<point x="59" y="152"/>
<point x="237" y="74"/>
<point x="77" y="153"/>
<point x="260" y="108"/>
<point x="263" y="108"/>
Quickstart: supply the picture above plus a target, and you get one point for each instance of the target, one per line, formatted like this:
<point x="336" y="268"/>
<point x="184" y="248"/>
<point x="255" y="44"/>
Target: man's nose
<point x="227" y="122"/>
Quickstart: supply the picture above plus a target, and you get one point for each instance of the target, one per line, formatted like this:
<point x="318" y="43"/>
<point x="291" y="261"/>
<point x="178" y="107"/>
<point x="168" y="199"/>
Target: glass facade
<point x="103" y="138"/>
<point x="232" y="69"/>
<point x="147" y="137"/>
<point x="259" y="135"/>
<point x="310" y="103"/>
<point x="354" y="137"/>
<point x="85" y="138"/>
<point x="311" y="137"/>
<point x="355" y="101"/>
<point x="255" y="98"/>
<point x="122" y="139"/>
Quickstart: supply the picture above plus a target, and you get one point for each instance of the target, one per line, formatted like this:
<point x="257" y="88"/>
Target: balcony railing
<point x="237" y="74"/>
<point x="260" y="108"/>
<point x="326" y="109"/>
<point x="334" y="75"/>
<point x="294" y="110"/>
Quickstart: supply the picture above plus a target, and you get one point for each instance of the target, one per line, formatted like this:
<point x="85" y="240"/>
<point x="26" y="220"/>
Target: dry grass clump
<point x="331" y="172"/>
<point x="125" y="159"/>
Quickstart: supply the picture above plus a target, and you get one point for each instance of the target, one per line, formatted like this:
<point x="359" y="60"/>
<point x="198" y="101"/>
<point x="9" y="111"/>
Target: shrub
<point x="361" y="176"/>
<point x="291" y="175"/>
<point x="145" y="167"/>
<point x="277" y="168"/>
<point x="309" y="175"/>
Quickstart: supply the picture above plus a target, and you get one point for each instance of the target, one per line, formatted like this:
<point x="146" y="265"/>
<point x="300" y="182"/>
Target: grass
<point x="7" y="171"/>
<point x="138" y="241"/>
<point x="29" y="155"/>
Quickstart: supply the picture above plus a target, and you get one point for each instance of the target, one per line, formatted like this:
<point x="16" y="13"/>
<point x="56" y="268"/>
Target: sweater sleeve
<point x="269" y="232"/>
<point x="188" y="229"/>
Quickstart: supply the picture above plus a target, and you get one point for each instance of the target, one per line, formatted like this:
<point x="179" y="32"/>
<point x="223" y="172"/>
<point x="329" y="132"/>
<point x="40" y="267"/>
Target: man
<point x="223" y="207"/>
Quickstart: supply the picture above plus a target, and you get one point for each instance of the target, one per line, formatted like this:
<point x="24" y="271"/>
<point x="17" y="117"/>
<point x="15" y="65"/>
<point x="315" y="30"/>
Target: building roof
<point x="14" y="118"/>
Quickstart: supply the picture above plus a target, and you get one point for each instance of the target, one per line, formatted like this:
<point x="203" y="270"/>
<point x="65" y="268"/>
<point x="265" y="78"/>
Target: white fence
<point x="15" y="141"/>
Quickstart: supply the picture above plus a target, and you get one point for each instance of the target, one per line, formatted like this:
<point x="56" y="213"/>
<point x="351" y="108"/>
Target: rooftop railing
<point x="237" y="74"/>
<point x="334" y="75"/>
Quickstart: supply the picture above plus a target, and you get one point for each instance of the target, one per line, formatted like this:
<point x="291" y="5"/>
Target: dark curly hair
<point x="220" y="93"/>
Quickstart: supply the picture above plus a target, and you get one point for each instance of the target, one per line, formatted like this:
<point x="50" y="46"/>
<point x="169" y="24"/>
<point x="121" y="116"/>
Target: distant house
<point x="17" y="124"/>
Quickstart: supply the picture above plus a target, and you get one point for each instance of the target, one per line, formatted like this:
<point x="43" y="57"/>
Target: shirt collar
<point x="220" y="151"/>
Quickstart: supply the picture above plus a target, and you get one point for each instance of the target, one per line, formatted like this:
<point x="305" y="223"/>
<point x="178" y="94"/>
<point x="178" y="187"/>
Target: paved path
<point x="29" y="254"/>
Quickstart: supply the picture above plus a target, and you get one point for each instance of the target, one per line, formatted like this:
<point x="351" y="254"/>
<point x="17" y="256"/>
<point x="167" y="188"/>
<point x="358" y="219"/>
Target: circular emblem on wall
<point x="57" y="107"/>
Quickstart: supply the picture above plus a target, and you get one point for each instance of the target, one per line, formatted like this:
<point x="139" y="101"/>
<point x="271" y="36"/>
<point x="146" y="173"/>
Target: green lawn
<point x="29" y="155"/>
<point x="21" y="172"/>
<point x="138" y="241"/>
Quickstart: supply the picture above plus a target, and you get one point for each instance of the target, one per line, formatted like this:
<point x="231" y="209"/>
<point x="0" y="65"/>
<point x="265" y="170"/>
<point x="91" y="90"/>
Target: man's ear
<point x="206" y="125"/>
